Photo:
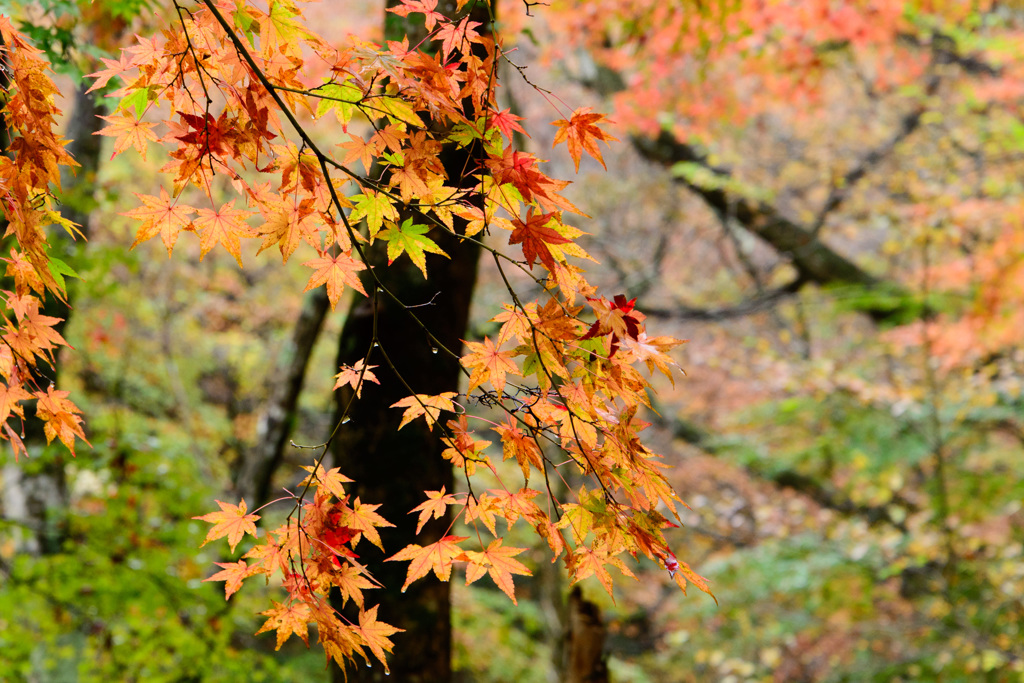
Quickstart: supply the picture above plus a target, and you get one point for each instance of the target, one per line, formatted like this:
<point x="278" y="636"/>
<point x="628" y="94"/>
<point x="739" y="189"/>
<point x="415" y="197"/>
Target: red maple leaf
<point x="535" y="236"/>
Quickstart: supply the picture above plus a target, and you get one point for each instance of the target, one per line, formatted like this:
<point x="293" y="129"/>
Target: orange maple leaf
<point x="428" y="406"/>
<point x="287" y="226"/>
<point x="580" y="133"/>
<point x="335" y="271"/>
<point x="485" y="507"/>
<point x="10" y="401"/>
<point x="270" y="557"/>
<point x="436" y="504"/>
<point x="161" y="215"/>
<point x="376" y="633"/>
<point x="61" y="417"/>
<point x="233" y="573"/>
<point x="224" y="226"/>
<point x="496" y="561"/>
<point x="488" y="364"/>
<point x="437" y="556"/>
<point x="351" y="582"/>
<point x="355" y="376"/>
<point x="330" y="480"/>
<point x="114" y="68"/>
<point x="587" y="562"/>
<point x="365" y="519"/>
<point x="231" y="521"/>
<point x="289" y="619"/>
<point x="519" y="445"/>
<point x="129" y="131"/>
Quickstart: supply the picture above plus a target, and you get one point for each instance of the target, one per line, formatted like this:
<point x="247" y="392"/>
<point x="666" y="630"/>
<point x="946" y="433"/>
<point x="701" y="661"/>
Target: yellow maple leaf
<point x="428" y="406"/>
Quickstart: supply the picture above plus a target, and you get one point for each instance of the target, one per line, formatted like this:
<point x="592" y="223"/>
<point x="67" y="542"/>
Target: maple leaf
<point x="410" y="238"/>
<point x="355" y="376"/>
<point x="61" y="417"/>
<point x="580" y="133"/>
<point x="457" y="36"/>
<point x="425" y="7"/>
<point x="339" y="97"/>
<point x="287" y="620"/>
<point x="651" y="351"/>
<point x="330" y="481"/>
<point x="129" y="131"/>
<point x="351" y="582"/>
<point x="428" y="406"/>
<point x="586" y="562"/>
<point x="224" y="226"/>
<point x="506" y="122"/>
<point x="364" y="151"/>
<point x="233" y="573"/>
<point x="376" y="633"/>
<point x="10" y="401"/>
<point x="231" y="521"/>
<point x="289" y="225"/>
<point x="17" y="445"/>
<point x="436" y="504"/>
<point x="270" y="557"/>
<point x="437" y="556"/>
<point x="498" y="563"/>
<point x="485" y="507"/>
<point x="335" y="540"/>
<point x="375" y="207"/>
<point x="115" y="67"/>
<point x="334" y="272"/>
<point x="535" y="236"/>
<point x="365" y="519"/>
<point x="488" y="364"/>
<point x="161" y="215"/>
<point x="519" y="445"/>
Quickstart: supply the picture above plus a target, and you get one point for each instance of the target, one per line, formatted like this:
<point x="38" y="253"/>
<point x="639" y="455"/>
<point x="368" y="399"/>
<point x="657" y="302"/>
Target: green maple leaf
<point x="340" y="97"/>
<point x="374" y="207"/>
<point x="411" y="239"/>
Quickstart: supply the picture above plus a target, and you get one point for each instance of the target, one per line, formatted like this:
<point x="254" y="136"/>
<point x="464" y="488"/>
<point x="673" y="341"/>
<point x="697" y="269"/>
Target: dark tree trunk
<point x="391" y="467"/>
<point x="394" y="467"/>
<point x="585" y="661"/>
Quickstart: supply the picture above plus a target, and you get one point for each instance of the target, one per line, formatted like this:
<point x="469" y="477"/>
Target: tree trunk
<point x="585" y="661"/>
<point x="394" y="467"/>
<point x="391" y="467"/>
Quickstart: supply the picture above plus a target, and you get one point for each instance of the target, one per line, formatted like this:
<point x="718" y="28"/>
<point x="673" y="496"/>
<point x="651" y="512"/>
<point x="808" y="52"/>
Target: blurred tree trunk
<point x="277" y="419"/>
<point x="585" y="661"/>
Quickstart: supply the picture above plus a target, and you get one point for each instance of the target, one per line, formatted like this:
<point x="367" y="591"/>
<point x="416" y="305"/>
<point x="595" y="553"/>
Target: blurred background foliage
<point x="849" y="440"/>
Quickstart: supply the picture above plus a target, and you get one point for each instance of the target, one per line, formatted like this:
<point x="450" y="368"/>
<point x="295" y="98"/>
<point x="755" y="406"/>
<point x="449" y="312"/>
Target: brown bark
<point x="585" y="661"/>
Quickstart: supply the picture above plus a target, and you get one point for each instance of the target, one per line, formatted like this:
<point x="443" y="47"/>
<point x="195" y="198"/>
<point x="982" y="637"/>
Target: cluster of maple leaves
<point x="565" y="369"/>
<point x="30" y="166"/>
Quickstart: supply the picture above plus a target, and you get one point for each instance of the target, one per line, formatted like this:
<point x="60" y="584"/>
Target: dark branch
<point x="760" y="303"/>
